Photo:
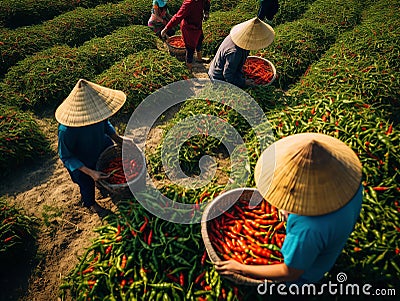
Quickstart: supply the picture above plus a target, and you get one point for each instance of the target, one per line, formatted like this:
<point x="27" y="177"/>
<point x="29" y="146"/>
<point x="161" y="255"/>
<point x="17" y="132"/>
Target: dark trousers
<point x="86" y="186"/>
<point x="190" y="51"/>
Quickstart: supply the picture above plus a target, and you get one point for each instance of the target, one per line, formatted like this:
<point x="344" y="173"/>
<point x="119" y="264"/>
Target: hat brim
<point x="308" y="174"/>
<point x="253" y="34"/>
<point x="89" y="103"/>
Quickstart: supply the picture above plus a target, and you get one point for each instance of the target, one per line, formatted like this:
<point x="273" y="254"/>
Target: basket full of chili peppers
<point x="126" y="172"/>
<point x="233" y="228"/>
<point x="260" y="70"/>
<point x="176" y="46"/>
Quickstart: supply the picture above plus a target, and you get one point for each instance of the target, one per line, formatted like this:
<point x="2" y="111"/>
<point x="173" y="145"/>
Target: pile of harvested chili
<point x="122" y="170"/>
<point x="249" y="236"/>
<point x="259" y="70"/>
<point x="176" y="41"/>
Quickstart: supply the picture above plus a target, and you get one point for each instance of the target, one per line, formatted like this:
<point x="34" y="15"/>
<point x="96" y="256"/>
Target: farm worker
<point x="231" y="55"/>
<point x="315" y="180"/>
<point x="159" y="17"/>
<point x="190" y="16"/>
<point x="268" y="9"/>
<point x="83" y="134"/>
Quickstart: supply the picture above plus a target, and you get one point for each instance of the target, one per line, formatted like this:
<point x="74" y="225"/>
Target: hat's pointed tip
<point x="80" y="82"/>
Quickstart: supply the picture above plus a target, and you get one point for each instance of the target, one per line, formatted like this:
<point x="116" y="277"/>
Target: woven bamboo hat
<point x="252" y="34"/>
<point x="89" y="103"/>
<point x="308" y="174"/>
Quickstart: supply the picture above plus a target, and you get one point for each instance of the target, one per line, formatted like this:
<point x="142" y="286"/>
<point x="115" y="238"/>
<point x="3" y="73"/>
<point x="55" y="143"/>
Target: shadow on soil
<point x="16" y="270"/>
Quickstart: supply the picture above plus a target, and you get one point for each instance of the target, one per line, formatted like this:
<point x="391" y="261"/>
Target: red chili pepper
<point x="280" y="225"/>
<point x="176" y="41"/>
<point x="229" y="215"/>
<point x="146" y="221"/>
<point x="118" y="230"/>
<point x="380" y="188"/>
<point x="9" y="238"/>
<point x="173" y="278"/>
<point x="390" y="129"/>
<point x="123" y="261"/>
<point x="256" y="261"/>
<point x="88" y="270"/>
<point x="199" y="277"/>
<point x="181" y="279"/>
<point x="149" y="238"/>
<point x="258" y="69"/>
<point x="123" y="283"/>
<point x="108" y="250"/>
<point x="203" y="258"/>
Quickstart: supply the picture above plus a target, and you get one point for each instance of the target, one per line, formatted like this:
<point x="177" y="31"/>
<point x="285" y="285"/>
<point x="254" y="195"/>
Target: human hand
<point x="228" y="267"/>
<point x="163" y="33"/>
<point x="98" y="175"/>
<point x="285" y="214"/>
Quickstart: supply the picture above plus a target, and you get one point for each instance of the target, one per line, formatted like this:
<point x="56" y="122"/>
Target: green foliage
<point x="21" y="139"/>
<point x="291" y="10"/>
<point x="102" y="53"/>
<point x="218" y="27"/>
<point x="18" y="230"/>
<point x="337" y="18"/>
<point x="248" y="7"/>
<point x="72" y="28"/>
<point x="373" y="138"/>
<point x="300" y="43"/>
<point x="363" y="63"/>
<point x="297" y="44"/>
<point x="141" y="74"/>
<point x="15" y="13"/>
<point x="224" y="5"/>
<point x="47" y="77"/>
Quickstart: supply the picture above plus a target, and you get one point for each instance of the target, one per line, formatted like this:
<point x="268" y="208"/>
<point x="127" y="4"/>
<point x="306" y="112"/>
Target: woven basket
<point x="269" y="63"/>
<point x="112" y="152"/>
<point x="223" y="201"/>
<point x="178" y="52"/>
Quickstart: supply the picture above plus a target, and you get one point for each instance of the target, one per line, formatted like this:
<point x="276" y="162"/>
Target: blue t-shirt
<point x="313" y="243"/>
<point x="78" y="146"/>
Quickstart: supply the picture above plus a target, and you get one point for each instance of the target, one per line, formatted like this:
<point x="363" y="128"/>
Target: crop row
<point x="26" y="12"/>
<point x="72" y="28"/>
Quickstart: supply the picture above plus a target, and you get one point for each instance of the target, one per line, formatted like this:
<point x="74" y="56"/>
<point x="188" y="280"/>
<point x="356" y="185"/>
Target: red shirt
<point x="190" y="16"/>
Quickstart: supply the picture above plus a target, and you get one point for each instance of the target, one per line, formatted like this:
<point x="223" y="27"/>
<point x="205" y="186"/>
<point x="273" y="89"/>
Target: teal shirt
<point x="78" y="146"/>
<point x="313" y="243"/>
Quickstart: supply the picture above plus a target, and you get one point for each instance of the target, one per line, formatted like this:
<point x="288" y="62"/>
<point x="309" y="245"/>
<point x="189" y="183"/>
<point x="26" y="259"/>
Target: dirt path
<point x="45" y="190"/>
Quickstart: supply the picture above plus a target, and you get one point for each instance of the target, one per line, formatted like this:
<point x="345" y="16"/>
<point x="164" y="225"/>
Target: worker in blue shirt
<point x="85" y="132"/>
<point x="315" y="180"/>
<point x="231" y="55"/>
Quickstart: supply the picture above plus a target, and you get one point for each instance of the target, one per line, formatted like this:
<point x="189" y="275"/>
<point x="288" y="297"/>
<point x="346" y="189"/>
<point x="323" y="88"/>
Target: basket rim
<point x="169" y="45"/>
<point x="124" y="185"/>
<point x="235" y="277"/>
<point x="270" y="63"/>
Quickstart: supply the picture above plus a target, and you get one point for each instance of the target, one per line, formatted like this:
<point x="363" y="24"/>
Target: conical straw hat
<point x="252" y="34"/>
<point x="89" y="103"/>
<point x="308" y="174"/>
